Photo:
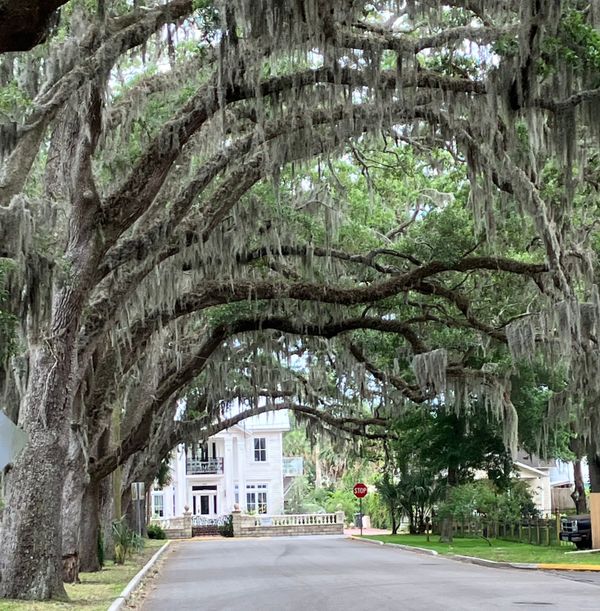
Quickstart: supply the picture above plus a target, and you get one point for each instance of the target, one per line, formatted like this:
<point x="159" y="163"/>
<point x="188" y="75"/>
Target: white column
<point x="228" y="468"/>
<point x="181" y="499"/>
<point x="242" y="459"/>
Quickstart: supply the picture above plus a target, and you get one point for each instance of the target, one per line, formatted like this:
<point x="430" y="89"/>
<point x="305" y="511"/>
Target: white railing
<point x="210" y="520"/>
<point x="306" y="519"/>
<point x="195" y="466"/>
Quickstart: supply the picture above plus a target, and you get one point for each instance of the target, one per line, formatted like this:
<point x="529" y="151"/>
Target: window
<point x="256" y="498"/>
<point x="237" y="495"/>
<point x="158" y="505"/>
<point x="260" y="449"/>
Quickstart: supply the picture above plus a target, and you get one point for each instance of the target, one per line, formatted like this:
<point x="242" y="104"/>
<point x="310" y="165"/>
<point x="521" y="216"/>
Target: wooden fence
<point x="533" y="531"/>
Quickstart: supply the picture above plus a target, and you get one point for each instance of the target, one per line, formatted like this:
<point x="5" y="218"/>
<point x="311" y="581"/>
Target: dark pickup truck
<point x="578" y="530"/>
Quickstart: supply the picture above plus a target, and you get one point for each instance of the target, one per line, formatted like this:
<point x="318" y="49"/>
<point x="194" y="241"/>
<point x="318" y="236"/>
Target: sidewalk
<point x="353" y="531"/>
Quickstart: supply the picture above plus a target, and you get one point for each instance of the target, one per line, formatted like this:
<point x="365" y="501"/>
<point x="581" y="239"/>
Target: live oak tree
<point x="135" y="142"/>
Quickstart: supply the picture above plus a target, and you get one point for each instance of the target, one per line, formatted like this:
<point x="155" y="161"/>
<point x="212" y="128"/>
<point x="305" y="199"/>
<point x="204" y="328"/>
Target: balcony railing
<point x="212" y="466"/>
<point x="293" y="466"/>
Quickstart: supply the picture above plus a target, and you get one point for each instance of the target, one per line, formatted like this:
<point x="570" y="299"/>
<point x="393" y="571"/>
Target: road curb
<point x="121" y="600"/>
<point x="408" y="548"/>
<point x="495" y="564"/>
<point x="485" y="562"/>
<point x="569" y="567"/>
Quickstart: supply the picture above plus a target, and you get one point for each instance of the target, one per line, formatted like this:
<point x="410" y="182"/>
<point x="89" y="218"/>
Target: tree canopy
<point x="345" y="208"/>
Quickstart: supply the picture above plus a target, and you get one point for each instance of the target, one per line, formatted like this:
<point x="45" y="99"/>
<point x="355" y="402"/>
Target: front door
<point x="202" y="504"/>
<point x="204" y="500"/>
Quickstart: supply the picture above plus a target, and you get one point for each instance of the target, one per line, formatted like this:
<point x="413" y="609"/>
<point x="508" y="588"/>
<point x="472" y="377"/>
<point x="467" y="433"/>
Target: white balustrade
<point x="290" y="520"/>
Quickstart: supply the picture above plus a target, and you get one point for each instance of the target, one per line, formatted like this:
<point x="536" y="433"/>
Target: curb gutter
<point x="489" y="563"/>
<point x="408" y="548"/>
<point x="121" y="600"/>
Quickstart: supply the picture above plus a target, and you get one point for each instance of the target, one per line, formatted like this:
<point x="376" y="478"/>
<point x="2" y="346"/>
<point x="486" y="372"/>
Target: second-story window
<point x="260" y="449"/>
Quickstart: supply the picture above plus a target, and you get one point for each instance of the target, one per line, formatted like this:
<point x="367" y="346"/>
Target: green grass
<point x="502" y="551"/>
<point x="96" y="591"/>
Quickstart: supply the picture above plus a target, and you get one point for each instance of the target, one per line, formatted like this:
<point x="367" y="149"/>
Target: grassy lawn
<point x="96" y="591"/>
<point x="503" y="551"/>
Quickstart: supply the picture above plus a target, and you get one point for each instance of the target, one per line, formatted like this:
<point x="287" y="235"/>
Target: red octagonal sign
<point x="360" y="490"/>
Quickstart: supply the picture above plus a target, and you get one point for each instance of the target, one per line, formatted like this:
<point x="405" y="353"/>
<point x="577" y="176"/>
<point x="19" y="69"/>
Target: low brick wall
<point x="290" y="531"/>
<point x="288" y="525"/>
<point x="175" y="528"/>
<point x="177" y="533"/>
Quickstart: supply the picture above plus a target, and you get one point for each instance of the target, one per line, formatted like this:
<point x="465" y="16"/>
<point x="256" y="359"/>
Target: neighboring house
<point x="562" y="481"/>
<point x="535" y="472"/>
<point x="241" y="466"/>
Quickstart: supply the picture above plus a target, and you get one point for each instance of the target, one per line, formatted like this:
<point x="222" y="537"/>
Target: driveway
<point x="335" y="573"/>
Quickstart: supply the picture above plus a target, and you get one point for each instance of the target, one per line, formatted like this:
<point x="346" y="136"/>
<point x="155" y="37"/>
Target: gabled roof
<point x="537" y="472"/>
<point x="533" y="461"/>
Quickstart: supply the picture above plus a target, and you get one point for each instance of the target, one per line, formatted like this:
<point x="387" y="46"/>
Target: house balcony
<point x="293" y="466"/>
<point x="212" y="466"/>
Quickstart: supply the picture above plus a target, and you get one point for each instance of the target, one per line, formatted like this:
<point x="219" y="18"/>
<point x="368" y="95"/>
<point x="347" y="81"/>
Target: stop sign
<point x="360" y="490"/>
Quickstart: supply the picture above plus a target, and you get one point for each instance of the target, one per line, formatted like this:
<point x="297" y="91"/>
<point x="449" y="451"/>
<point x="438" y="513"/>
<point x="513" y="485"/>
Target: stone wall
<point x="263" y="526"/>
<point x="177" y="533"/>
<point x="287" y="525"/>
<point x="176" y="528"/>
<point x="290" y="531"/>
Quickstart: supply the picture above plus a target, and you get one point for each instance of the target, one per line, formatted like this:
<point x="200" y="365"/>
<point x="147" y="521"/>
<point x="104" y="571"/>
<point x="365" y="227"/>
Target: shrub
<point x="483" y="500"/>
<point x="156" y="532"/>
<point x="126" y="541"/>
<point x="226" y="529"/>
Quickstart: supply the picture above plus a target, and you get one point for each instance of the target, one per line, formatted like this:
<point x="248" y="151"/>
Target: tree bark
<point x="107" y="516"/>
<point x="24" y="24"/>
<point x="90" y="532"/>
<point x="578" y="494"/>
<point x="594" y="466"/>
<point x="73" y="488"/>
<point x="31" y="562"/>
<point x="394" y="522"/>
<point x="31" y="552"/>
<point x="446" y="535"/>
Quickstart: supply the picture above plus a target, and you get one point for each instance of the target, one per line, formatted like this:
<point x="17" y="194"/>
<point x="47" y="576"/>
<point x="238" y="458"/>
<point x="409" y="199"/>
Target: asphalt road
<point x="333" y="573"/>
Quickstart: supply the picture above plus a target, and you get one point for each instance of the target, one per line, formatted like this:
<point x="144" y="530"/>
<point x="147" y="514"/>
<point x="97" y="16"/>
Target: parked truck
<point x="578" y="530"/>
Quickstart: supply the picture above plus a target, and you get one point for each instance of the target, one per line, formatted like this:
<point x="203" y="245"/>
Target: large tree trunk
<point x="578" y="494"/>
<point x="107" y="516"/>
<point x="394" y="521"/>
<point x="71" y="521"/>
<point x="594" y="466"/>
<point x="446" y="534"/>
<point x="76" y="480"/>
<point x="92" y="542"/>
<point x="31" y="551"/>
<point x="90" y="533"/>
<point x="31" y="532"/>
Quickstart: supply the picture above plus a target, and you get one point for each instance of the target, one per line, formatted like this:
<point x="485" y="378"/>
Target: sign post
<point x="360" y="491"/>
<point x="137" y="496"/>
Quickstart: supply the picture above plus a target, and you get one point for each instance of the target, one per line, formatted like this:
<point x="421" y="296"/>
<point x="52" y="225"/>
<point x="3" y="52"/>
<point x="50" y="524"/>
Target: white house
<point x="535" y="472"/>
<point x="243" y="465"/>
